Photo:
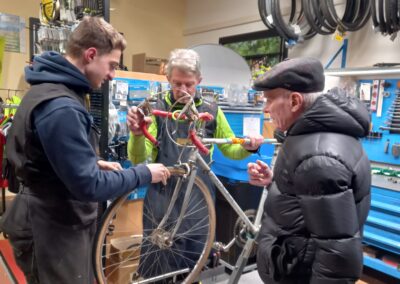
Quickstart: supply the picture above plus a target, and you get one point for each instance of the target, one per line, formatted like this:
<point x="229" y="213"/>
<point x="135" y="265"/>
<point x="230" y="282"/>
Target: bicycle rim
<point x="126" y="252"/>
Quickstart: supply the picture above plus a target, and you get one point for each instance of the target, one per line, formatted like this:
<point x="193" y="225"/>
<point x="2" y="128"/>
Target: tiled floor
<point x="251" y="277"/>
<point x="247" y="278"/>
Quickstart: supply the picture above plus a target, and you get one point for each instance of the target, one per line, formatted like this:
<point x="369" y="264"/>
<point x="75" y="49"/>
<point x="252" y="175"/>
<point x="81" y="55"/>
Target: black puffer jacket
<point x="319" y="200"/>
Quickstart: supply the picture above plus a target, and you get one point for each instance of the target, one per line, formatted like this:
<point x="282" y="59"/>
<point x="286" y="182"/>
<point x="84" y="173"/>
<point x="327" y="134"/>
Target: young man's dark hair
<point x="107" y="38"/>
<point x="52" y="220"/>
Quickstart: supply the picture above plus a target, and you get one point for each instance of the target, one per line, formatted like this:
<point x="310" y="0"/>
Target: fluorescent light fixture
<point x="360" y="72"/>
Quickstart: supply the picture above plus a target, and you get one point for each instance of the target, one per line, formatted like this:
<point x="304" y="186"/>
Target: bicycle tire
<point x="319" y="13"/>
<point x="374" y="15"/>
<point x="394" y="15"/>
<point x="283" y="29"/>
<point x="263" y="11"/>
<point x="314" y="17"/>
<point x="128" y="262"/>
<point x="327" y="14"/>
<point x="356" y="14"/>
<point x="391" y="16"/>
<point x="381" y="17"/>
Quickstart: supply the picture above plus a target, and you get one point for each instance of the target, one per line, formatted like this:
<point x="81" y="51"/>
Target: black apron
<point x="50" y="231"/>
<point x="158" y="198"/>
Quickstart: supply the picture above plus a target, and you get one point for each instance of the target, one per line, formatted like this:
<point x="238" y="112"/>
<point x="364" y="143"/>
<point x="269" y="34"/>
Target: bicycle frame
<point x="253" y="228"/>
<point x="190" y="167"/>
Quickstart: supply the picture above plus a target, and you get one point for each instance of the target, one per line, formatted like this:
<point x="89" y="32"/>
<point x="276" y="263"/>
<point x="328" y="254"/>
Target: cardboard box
<point x="124" y="255"/>
<point x="124" y="244"/>
<point x="143" y="63"/>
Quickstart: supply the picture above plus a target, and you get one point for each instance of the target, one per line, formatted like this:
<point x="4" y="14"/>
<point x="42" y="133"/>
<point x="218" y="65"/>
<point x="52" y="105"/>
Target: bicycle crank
<point x="241" y="232"/>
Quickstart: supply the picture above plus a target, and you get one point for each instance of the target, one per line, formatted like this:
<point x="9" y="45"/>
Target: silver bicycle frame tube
<point x="171" y="204"/>
<point x="227" y="196"/>
<point x="189" y="189"/>
<point x="164" y="276"/>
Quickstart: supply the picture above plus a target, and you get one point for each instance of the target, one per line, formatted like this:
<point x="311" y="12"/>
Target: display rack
<point x="381" y="234"/>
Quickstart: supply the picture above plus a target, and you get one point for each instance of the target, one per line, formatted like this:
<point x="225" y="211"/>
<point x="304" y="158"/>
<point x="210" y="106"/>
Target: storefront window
<point x="261" y="50"/>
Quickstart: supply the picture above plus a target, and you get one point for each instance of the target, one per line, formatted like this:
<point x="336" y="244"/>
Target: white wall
<point x="208" y="20"/>
<point x="13" y="62"/>
<point x="150" y="26"/>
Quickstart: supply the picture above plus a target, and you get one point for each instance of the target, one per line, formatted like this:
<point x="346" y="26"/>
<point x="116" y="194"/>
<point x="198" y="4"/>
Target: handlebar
<point x="235" y="140"/>
<point x="195" y="140"/>
<point x="205" y="116"/>
<point x="146" y="133"/>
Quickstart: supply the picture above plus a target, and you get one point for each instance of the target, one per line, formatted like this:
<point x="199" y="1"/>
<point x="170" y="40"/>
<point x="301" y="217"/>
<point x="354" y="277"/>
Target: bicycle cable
<point x="165" y="122"/>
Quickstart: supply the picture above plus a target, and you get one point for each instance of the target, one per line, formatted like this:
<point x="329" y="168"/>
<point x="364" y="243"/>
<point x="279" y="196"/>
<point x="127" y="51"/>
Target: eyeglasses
<point x="180" y="85"/>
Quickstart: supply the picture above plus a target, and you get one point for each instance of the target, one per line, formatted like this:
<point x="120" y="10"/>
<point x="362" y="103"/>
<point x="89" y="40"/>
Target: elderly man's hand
<point x="259" y="173"/>
<point x="255" y="143"/>
<point x="134" y="119"/>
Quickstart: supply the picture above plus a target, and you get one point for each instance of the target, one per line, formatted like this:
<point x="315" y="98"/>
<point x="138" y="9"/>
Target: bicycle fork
<point x="178" y="187"/>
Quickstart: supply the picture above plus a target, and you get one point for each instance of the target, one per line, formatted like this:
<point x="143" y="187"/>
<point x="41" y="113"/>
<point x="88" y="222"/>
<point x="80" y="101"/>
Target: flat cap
<point x="304" y="75"/>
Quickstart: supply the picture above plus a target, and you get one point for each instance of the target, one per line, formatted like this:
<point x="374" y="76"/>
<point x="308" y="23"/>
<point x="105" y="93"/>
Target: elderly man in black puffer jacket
<point x="319" y="195"/>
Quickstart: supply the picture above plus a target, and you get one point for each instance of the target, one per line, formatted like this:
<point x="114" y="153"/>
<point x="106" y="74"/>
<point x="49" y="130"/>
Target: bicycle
<point x="143" y="255"/>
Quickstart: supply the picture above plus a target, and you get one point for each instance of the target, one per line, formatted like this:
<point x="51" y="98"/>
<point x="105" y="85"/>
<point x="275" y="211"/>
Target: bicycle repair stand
<point x="223" y="271"/>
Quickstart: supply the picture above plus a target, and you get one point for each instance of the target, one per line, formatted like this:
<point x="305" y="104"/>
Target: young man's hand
<point x="109" y="166"/>
<point x="159" y="173"/>
<point x="259" y="173"/>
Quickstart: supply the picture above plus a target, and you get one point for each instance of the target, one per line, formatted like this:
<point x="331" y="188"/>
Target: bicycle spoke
<point x="148" y="253"/>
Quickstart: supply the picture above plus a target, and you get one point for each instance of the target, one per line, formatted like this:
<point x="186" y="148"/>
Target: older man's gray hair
<point x="186" y="60"/>
<point x="310" y="98"/>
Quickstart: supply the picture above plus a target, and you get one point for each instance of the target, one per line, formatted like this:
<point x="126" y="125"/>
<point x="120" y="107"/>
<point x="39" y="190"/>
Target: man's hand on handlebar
<point x="134" y="120"/>
<point x="255" y="142"/>
<point x="159" y="173"/>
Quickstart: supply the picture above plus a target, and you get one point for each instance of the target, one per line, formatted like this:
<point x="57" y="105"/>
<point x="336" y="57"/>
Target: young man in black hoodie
<point x="52" y="221"/>
<point x="319" y="197"/>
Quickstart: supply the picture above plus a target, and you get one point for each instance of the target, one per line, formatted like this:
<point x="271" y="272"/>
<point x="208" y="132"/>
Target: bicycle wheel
<point x="126" y="250"/>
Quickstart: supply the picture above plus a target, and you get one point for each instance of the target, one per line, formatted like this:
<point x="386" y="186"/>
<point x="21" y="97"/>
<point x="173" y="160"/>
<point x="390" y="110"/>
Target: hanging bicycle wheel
<point x="132" y="245"/>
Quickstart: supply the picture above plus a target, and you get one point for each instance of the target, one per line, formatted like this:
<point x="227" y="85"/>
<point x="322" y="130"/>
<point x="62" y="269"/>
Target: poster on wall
<point x="12" y="28"/>
<point x="2" y="46"/>
<point x="251" y="125"/>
